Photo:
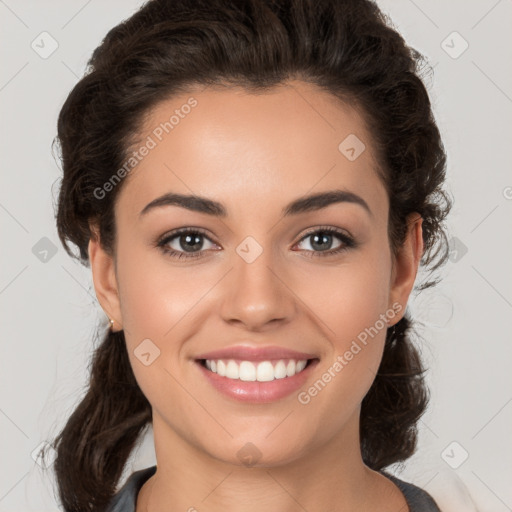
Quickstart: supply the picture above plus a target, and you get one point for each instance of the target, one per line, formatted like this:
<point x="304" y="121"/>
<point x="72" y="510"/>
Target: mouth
<point x="256" y="382"/>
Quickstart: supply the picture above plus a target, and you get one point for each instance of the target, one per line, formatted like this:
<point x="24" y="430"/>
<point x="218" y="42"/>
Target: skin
<point x="255" y="154"/>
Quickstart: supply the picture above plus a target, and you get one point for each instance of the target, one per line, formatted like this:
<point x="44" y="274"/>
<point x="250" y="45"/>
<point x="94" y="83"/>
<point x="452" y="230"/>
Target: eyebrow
<point x="210" y="207"/>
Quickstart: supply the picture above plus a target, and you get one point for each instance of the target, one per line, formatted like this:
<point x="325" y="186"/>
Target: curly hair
<point x="346" y="47"/>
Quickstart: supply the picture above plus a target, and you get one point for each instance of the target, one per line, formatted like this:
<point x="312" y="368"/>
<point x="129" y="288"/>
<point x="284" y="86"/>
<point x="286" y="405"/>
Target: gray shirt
<point x="126" y="498"/>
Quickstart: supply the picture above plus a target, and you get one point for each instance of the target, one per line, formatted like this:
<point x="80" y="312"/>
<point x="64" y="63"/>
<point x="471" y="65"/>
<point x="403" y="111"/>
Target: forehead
<point x="262" y="148"/>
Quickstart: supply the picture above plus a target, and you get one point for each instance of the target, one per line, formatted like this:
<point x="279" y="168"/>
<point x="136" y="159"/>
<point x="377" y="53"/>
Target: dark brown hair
<point x="346" y="47"/>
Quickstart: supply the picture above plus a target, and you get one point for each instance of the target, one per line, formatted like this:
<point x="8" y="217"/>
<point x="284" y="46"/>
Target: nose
<point x="256" y="295"/>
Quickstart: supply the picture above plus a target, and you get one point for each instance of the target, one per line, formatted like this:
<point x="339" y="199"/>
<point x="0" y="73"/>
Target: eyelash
<point x="347" y="243"/>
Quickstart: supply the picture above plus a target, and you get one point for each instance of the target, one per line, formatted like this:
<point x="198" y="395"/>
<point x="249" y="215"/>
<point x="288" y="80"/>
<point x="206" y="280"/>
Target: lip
<point x="258" y="392"/>
<point x="254" y="391"/>
<point x="251" y="353"/>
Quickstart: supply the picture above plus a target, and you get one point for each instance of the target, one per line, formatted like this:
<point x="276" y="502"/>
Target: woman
<point x="254" y="185"/>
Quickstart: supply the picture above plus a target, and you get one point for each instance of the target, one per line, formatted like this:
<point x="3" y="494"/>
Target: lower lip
<point x="258" y="392"/>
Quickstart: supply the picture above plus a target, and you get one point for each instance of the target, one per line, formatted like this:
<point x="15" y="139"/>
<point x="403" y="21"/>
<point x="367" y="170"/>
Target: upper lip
<point x="251" y="353"/>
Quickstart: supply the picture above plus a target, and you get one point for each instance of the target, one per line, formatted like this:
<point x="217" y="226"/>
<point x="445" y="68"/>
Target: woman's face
<point x="261" y="275"/>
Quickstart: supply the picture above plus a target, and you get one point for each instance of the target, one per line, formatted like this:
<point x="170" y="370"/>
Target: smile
<point x="263" y="371"/>
<point x="256" y="381"/>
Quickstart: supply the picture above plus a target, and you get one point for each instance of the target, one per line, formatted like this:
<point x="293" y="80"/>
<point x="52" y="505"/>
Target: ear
<point x="105" y="280"/>
<point x="405" y="265"/>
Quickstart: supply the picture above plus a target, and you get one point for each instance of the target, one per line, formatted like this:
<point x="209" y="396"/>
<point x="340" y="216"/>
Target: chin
<point x="257" y="453"/>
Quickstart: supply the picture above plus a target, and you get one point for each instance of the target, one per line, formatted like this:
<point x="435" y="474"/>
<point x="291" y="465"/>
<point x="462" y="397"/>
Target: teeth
<point x="264" y="371"/>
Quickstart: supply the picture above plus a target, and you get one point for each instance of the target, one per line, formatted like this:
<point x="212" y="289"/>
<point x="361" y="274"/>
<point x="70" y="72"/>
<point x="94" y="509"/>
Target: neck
<point x="331" y="476"/>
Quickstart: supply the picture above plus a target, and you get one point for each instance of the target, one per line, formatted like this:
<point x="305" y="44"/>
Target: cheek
<point x="351" y="297"/>
<point x="155" y="295"/>
<point x="353" y="303"/>
<point x="160" y="304"/>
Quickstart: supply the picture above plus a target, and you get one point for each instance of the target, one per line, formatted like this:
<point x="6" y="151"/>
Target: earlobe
<point x="406" y="263"/>
<point x="105" y="281"/>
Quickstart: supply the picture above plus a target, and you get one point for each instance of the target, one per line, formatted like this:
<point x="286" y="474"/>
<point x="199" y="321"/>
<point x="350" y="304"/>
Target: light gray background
<point x="49" y="311"/>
